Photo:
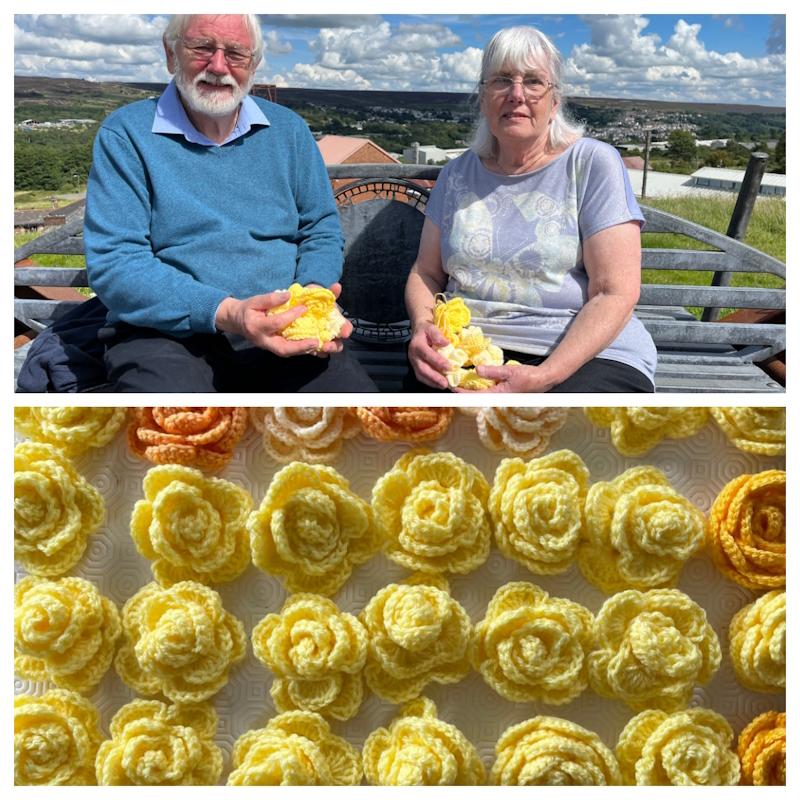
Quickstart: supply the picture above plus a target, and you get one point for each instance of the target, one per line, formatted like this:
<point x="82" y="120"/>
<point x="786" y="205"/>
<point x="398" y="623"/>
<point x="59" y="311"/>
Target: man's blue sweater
<point x="173" y="228"/>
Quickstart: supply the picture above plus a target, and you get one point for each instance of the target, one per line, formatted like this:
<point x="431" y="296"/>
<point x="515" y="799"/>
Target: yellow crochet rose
<point x="322" y="320"/>
<point x="192" y="527"/>
<point x="295" y="749"/>
<point x="55" y="509"/>
<point x="430" y="509"/>
<point x="754" y="430"/>
<point x="450" y="316"/>
<point x="72" y="430"/>
<point x="524" y="432"/>
<point x="178" y="641"/>
<point x="419" y="749"/>
<point x="533" y="647"/>
<point x="304" y="433"/>
<point x="653" y="649"/>
<point x="417" y="634"/>
<point x="758" y="643"/>
<point x="64" y="632"/>
<point x="547" y="751"/>
<point x="635" y="430"/>
<point x="747" y="530"/>
<point x="153" y="744"/>
<point x="316" y="654"/>
<point x="762" y="750"/>
<point x="687" y="748"/>
<point x="537" y="510"/>
<point x="311" y="530"/>
<point x="55" y="740"/>
<point x="639" y="532"/>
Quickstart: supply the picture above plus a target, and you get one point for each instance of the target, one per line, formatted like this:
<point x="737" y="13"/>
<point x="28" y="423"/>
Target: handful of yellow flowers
<point x="322" y="321"/>
<point x="467" y="347"/>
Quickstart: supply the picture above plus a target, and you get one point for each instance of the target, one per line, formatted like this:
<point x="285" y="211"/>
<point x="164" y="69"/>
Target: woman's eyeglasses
<point x="533" y="87"/>
<point x="205" y="50"/>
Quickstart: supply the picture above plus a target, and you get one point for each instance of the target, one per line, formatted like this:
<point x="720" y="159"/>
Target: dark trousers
<point x="598" y="375"/>
<point x="145" y="360"/>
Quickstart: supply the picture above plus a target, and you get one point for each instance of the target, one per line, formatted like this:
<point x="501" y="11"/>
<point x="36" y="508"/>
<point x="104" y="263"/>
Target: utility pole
<point x="646" y="161"/>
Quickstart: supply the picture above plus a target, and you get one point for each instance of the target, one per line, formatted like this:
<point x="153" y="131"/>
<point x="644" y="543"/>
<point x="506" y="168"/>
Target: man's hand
<point x="427" y="363"/>
<point x="516" y="378"/>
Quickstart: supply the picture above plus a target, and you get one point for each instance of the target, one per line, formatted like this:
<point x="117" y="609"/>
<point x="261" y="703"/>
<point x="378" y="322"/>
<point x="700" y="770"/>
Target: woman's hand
<point x="515" y="378"/>
<point x="427" y="363"/>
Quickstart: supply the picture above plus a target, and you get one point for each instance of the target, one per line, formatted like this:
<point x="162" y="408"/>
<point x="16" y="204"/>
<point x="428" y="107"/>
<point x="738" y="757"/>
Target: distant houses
<point x="706" y="181"/>
<point x="430" y="154"/>
<point x="32" y="124"/>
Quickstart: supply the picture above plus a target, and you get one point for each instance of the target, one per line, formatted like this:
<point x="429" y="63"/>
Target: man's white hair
<point x="524" y="48"/>
<point x="178" y="23"/>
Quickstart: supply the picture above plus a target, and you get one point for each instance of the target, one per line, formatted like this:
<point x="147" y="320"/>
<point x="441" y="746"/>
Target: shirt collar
<point x="171" y="118"/>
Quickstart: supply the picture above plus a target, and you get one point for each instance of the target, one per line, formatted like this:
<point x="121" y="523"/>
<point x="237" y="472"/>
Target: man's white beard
<point x="216" y="104"/>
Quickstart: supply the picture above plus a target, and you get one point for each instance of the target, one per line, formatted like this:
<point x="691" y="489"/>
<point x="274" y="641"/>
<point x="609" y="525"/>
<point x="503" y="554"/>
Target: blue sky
<point x="692" y="57"/>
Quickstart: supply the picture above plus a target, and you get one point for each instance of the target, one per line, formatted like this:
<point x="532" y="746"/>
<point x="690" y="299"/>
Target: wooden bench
<point x="380" y="212"/>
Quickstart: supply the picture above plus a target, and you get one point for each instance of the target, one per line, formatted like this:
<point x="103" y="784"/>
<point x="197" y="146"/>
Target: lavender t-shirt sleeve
<point x="605" y="196"/>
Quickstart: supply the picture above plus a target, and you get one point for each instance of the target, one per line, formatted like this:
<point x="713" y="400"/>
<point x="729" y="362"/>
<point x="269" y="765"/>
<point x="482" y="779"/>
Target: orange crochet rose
<point x="202" y="437"/>
<point x="405" y="424"/>
<point x="762" y="750"/>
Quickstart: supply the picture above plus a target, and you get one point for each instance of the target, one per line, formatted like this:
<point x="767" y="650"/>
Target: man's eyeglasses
<point x="205" y="50"/>
<point x="533" y="87"/>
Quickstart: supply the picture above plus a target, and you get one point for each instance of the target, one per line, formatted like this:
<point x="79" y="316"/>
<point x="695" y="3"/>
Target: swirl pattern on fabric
<point x="686" y="748"/>
<point x="762" y="750"/>
<point x="419" y="749"/>
<point x="430" y="509"/>
<point x="537" y="510"/>
<point x="531" y="646"/>
<point x="153" y="744"/>
<point x="72" y="430"/>
<point x="311" y="530"/>
<point x="417" y="634"/>
<point x="747" y="530"/>
<point x="547" y="751"/>
<point x="316" y="654"/>
<point x="653" y="648"/>
<point x="178" y="641"/>
<point x="295" y="749"/>
<point x="639" y="532"/>
<point x="753" y="429"/>
<point x="55" y="739"/>
<point x="758" y="643"/>
<point x="55" y="509"/>
<point x="65" y="631"/>
<point x="191" y="527"/>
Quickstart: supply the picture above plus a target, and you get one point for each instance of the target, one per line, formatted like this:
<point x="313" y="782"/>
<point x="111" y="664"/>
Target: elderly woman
<point x="537" y="230"/>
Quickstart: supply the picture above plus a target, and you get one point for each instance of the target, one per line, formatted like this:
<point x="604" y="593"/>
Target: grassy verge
<point x="42" y="199"/>
<point x="42" y="260"/>
<point x="766" y="232"/>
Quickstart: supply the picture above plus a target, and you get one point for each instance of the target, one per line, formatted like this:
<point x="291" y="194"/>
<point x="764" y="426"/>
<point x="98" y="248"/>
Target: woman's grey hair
<point x="178" y="23"/>
<point x="524" y="48"/>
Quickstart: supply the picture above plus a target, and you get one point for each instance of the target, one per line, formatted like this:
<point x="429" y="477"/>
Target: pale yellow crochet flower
<point x="762" y="750"/>
<point x="531" y="646"/>
<point x="639" y="532"/>
<point x="747" y="530"/>
<point x="55" y="740"/>
<point x="178" y="641"/>
<point x="295" y="749"/>
<point x="754" y="430"/>
<point x="192" y="527"/>
<point x="430" y="510"/>
<point x="635" y="430"/>
<point x="653" y="649"/>
<point x="316" y="654"/>
<point x="64" y="631"/>
<point x="758" y="643"/>
<point x="523" y="431"/>
<point x="153" y="744"/>
<point x="72" y="430"/>
<point x="419" y="749"/>
<point x="55" y="509"/>
<point x="537" y="510"/>
<point x="687" y="748"/>
<point x="311" y="530"/>
<point x="547" y="751"/>
<point x="417" y="634"/>
<point x="305" y="433"/>
<point x="322" y="320"/>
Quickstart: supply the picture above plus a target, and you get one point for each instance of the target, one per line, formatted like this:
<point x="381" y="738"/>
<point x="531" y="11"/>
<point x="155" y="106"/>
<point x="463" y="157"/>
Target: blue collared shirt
<point x="171" y="117"/>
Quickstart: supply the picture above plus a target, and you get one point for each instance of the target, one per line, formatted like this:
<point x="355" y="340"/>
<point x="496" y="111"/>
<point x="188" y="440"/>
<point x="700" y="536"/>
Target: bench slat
<point x="50" y="276"/>
<point x="42" y="309"/>
<point x="722" y="296"/>
<point x="718" y="332"/>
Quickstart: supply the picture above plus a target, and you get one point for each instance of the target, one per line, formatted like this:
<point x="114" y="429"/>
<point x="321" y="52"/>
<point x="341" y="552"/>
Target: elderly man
<point x="201" y="207"/>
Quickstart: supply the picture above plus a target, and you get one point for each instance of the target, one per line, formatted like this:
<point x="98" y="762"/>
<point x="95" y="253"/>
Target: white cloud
<point x="314" y="76"/>
<point x="273" y="44"/>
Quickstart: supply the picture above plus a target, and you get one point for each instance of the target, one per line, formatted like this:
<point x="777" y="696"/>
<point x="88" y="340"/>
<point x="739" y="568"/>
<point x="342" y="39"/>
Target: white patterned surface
<point x="698" y="467"/>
